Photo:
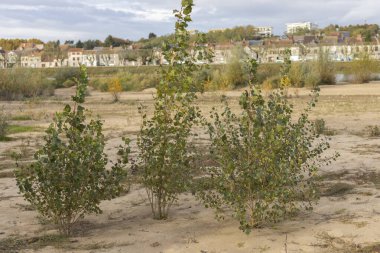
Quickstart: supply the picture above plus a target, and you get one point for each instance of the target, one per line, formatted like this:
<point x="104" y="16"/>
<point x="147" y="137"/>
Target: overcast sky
<point x="133" y="19"/>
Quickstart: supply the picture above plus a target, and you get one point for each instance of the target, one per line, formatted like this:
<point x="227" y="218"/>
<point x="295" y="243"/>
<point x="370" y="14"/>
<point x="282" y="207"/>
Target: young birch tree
<point x="165" y="166"/>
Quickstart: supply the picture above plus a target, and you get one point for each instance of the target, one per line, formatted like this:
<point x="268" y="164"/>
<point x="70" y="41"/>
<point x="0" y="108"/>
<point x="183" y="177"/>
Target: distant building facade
<point x="31" y="60"/>
<point x="264" y="31"/>
<point x="75" y="57"/>
<point x="294" y="27"/>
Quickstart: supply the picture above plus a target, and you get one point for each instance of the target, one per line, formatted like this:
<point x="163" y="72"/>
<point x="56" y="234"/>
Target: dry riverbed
<point x="346" y="219"/>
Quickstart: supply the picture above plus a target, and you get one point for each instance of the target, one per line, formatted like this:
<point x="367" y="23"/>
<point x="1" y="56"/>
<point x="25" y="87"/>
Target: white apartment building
<point x="294" y="27"/>
<point x="89" y="58"/>
<point x="264" y="31"/>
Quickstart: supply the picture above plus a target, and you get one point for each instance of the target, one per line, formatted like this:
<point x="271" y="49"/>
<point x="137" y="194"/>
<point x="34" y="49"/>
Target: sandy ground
<point x="342" y="222"/>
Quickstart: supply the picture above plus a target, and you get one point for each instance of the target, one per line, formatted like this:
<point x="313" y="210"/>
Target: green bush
<point x="267" y="71"/>
<point x="312" y="74"/>
<point x="16" y="84"/>
<point x="68" y="178"/>
<point x="100" y="84"/>
<point x="267" y="160"/>
<point x="363" y="68"/>
<point x="64" y="75"/>
<point x="69" y="83"/>
<point x="325" y="68"/>
<point x="373" y="131"/>
<point x="298" y="73"/>
<point x="319" y="126"/>
<point x="271" y="83"/>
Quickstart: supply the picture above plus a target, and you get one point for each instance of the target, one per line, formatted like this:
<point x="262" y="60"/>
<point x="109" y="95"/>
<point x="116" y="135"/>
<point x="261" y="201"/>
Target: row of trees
<point x="265" y="159"/>
<point x="366" y="31"/>
<point x="13" y="44"/>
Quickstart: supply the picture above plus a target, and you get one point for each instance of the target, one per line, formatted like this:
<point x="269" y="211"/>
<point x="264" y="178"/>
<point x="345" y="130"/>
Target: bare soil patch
<point x="346" y="218"/>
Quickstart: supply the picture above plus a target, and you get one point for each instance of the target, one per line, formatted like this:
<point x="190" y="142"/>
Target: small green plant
<point x="373" y="131"/>
<point x="320" y="126"/>
<point x="68" y="178"/>
<point x="165" y="159"/>
<point x="267" y="160"/>
<point x="114" y="87"/>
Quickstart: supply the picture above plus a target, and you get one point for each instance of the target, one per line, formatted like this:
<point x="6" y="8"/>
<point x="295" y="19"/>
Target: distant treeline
<point x="238" y="33"/>
<point x="13" y="44"/>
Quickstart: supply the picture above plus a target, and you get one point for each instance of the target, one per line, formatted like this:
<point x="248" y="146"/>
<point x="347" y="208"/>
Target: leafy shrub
<point x="363" y="68"/>
<point x="297" y="74"/>
<point x="69" y="177"/>
<point x="16" y="84"/>
<point x="304" y="74"/>
<point x="100" y="84"/>
<point x="320" y="126"/>
<point x="65" y="74"/>
<point x="69" y="83"/>
<point x="325" y="68"/>
<point x="218" y="81"/>
<point x="267" y="71"/>
<point x="312" y="78"/>
<point x="373" y="131"/>
<point x="271" y="83"/>
<point x="114" y="87"/>
<point x="267" y="162"/>
<point x="235" y="74"/>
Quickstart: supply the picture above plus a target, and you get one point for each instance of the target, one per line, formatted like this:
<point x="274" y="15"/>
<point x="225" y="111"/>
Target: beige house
<point x="75" y="57"/>
<point x="222" y="53"/>
<point x="31" y="60"/>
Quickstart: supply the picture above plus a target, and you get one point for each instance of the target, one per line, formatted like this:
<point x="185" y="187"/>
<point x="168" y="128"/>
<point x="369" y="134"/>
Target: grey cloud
<point x="95" y="19"/>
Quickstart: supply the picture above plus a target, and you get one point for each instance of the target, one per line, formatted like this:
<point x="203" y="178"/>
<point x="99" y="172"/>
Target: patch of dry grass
<point x="330" y="243"/>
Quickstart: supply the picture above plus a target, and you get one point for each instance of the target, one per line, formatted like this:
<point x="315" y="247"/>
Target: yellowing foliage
<point x="115" y="88"/>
